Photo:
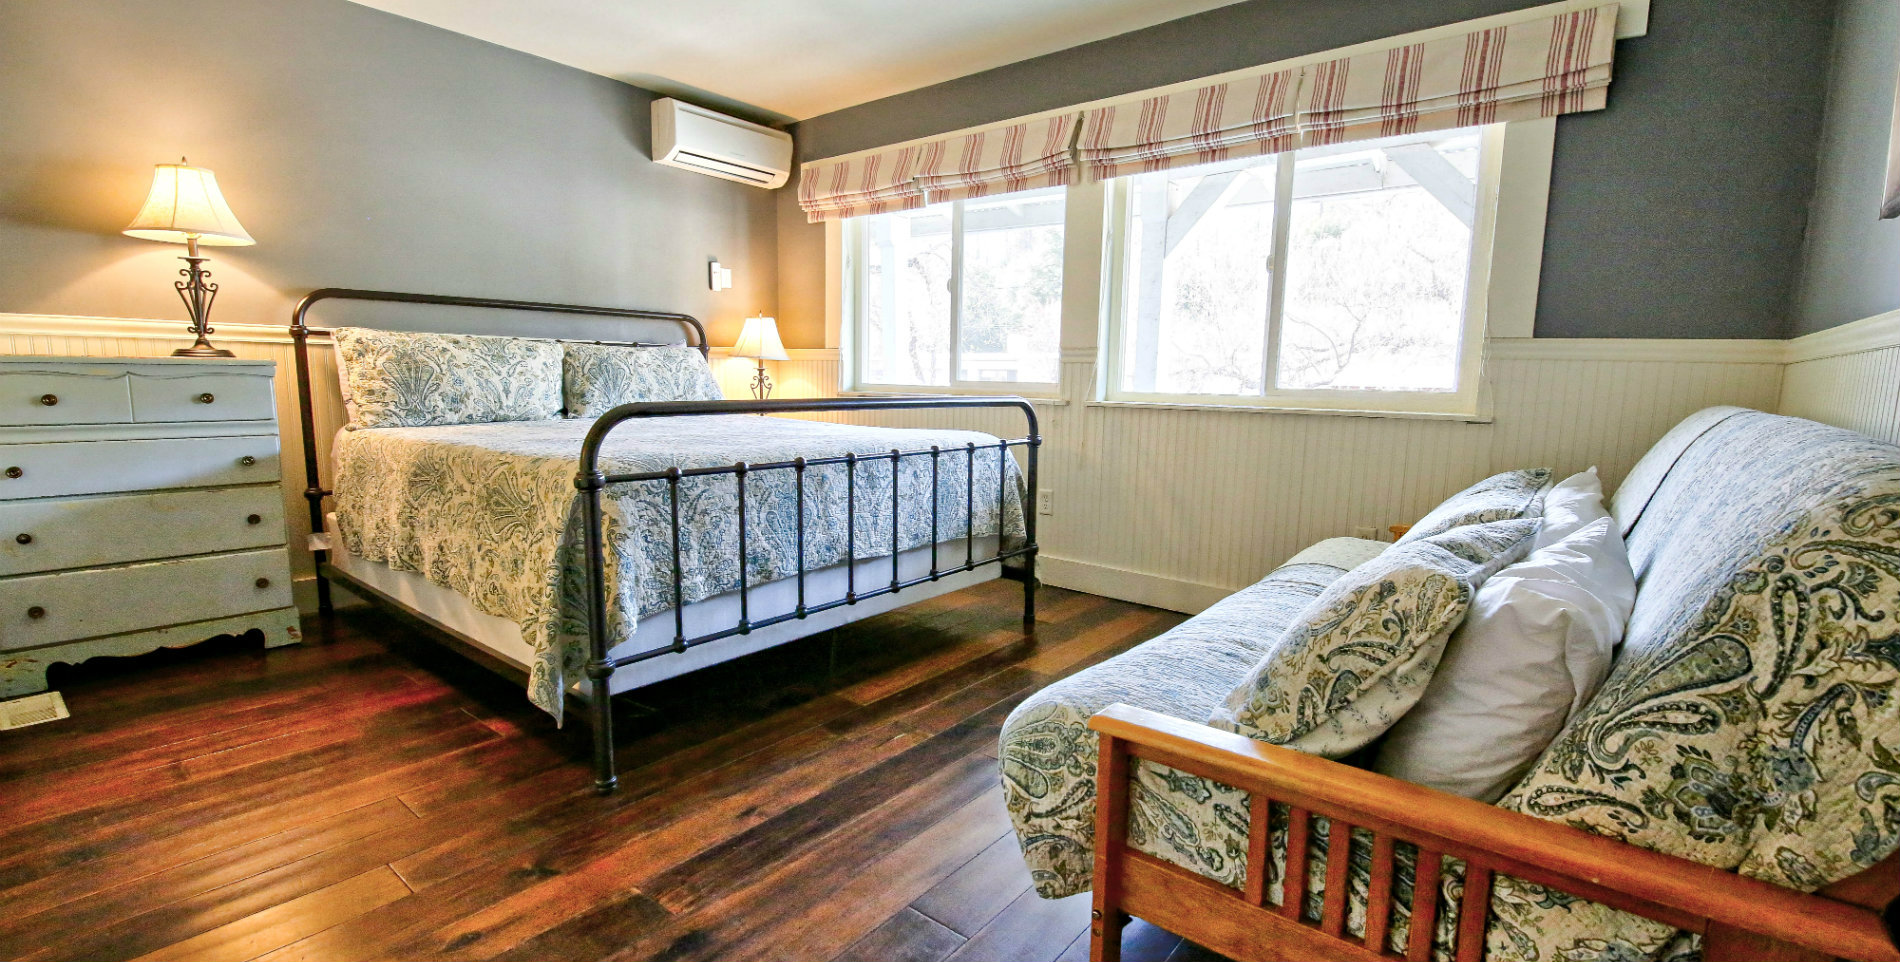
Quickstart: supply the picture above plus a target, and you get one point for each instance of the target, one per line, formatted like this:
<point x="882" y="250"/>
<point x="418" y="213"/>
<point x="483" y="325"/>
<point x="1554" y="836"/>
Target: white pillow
<point x="1574" y="502"/>
<point x="1537" y="642"/>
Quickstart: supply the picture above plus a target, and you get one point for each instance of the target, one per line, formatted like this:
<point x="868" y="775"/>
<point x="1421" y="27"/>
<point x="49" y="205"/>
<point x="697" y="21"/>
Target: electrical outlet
<point x="1366" y="532"/>
<point x="1045" y="501"/>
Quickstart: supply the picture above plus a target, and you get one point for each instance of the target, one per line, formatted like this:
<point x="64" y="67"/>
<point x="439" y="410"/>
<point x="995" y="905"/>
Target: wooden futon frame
<point x="1737" y="917"/>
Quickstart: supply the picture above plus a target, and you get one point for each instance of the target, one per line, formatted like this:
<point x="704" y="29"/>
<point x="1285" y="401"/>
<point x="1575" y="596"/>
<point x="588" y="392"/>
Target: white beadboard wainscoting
<point x="1177" y="506"/>
<point x="1849" y="376"/>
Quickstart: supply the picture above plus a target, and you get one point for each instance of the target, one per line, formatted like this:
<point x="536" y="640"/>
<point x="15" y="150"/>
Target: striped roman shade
<point x="1540" y="68"/>
<point x="998" y="160"/>
<point x="872" y="183"/>
<point x="994" y="160"/>
<point x="1239" y="118"/>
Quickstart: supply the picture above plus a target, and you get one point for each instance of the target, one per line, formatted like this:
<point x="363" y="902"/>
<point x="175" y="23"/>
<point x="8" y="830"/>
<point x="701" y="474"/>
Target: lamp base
<point x="202" y="350"/>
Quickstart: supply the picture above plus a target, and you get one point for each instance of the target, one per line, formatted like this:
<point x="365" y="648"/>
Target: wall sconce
<point x="185" y="207"/>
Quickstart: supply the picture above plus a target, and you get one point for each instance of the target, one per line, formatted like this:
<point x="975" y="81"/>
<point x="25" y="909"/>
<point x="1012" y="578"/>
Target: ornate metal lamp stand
<point x="198" y="293"/>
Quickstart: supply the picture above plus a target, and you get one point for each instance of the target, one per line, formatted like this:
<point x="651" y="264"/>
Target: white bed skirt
<point x="501" y="637"/>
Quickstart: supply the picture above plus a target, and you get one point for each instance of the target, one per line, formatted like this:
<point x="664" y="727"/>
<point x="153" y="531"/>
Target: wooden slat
<point x="1293" y="889"/>
<point x="1180" y="901"/>
<point x="1418" y="945"/>
<point x="1672" y="890"/>
<point x="1259" y="849"/>
<point x="1332" y="920"/>
<point x="1474" y="913"/>
<point x="1379" y="893"/>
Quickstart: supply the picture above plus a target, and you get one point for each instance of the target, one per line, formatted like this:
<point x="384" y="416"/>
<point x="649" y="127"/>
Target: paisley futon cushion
<point x="1501" y="497"/>
<point x="600" y="377"/>
<point x="1362" y="653"/>
<point x="405" y="379"/>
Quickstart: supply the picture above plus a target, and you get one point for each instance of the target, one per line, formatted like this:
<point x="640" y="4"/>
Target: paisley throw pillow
<point x="599" y="377"/>
<point x="411" y="379"/>
<point x="1501" y="497"/>
<point x="1362" y="653"/>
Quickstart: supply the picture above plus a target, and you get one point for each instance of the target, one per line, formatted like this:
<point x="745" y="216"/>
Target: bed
<point x="595" y="555"/>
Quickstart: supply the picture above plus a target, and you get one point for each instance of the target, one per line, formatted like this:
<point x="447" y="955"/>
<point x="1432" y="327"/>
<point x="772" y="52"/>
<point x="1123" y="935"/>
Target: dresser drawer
<point x="101" y="467"/>
<point x="48" y="609"/>
<point x="50" y="534"/>
<point x="202" y="397"/>
<point x="47" y="397"/>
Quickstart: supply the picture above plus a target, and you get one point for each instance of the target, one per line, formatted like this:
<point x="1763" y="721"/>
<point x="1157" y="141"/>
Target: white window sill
<point x="1307" y="411"/>
<point x="1046" y="400"/>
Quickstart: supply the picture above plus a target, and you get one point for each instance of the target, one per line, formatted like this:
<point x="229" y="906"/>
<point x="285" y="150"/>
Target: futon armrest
<point x="1679" y="892"/>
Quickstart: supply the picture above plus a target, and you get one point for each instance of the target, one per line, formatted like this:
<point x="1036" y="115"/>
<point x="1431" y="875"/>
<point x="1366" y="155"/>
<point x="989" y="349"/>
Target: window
<point x="965" y="294"/>
<point x="1347" y="277"/>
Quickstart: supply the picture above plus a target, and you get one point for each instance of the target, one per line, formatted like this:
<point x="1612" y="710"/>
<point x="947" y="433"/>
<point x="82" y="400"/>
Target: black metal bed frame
<point x="591" y="481"/>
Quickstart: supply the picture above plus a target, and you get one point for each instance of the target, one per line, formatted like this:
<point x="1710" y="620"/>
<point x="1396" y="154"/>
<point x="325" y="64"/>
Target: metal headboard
<point x="300" y="333"/>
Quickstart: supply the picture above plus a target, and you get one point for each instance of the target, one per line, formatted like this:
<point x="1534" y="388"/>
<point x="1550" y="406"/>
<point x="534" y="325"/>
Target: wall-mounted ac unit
<point x="694" y="138"/>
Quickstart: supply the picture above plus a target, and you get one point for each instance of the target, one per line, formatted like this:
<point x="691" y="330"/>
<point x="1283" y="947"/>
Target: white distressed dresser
<point x="139" y="509"/>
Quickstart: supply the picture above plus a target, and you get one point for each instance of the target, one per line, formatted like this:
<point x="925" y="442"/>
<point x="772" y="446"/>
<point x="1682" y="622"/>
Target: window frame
<point x="854" y="239"/>
<point x="1515" y="264"/>
<point x="1467" y="400"/>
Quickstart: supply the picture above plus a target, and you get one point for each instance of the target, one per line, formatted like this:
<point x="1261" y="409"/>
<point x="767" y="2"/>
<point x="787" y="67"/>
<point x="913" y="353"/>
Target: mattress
<point x="501" y="637"/>
<point x="490" y="512"/>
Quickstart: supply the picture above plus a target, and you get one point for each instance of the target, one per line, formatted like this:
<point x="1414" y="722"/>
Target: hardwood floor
<point x="372" y="795"/>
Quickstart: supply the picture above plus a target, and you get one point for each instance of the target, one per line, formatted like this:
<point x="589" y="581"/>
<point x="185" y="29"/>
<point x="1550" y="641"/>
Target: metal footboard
<point x="592" y="481"/>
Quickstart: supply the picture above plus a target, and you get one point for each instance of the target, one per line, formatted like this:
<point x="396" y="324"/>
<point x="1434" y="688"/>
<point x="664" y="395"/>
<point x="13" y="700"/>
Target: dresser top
<point x="169" y="365"/>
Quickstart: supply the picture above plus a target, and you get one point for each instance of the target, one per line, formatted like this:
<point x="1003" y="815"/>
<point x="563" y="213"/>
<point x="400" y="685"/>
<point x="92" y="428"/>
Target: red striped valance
<point x="1240" y="118"/>
<point x="1537" y="68"/>
<point x="1540" y="68"/>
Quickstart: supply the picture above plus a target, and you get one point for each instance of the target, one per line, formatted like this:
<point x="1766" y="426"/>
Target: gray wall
<point x="360" y="149"/>
<point x="1677" y="212"/>
<point x="1853" y="257"/>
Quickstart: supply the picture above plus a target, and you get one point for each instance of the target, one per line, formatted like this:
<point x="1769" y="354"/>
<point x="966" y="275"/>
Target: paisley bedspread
<point x="490" y="511"/>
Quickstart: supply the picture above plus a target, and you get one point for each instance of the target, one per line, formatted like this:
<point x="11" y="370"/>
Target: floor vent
<point x="32" y="710"/>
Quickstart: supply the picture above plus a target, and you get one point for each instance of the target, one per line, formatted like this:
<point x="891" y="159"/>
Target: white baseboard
<point x="303" y="592"/>
<point x="1139" y="587"/>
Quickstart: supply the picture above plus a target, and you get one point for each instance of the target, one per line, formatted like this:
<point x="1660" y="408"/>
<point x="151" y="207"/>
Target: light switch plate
<point x="718" y="278"/>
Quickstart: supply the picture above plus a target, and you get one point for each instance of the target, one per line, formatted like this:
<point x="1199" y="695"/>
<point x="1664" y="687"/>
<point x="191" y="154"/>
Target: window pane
<point x="1197" y="283"/>
<point x="1377" y="263"/>
<point x="1012" y="288"/>
<point x="906" y="297"/>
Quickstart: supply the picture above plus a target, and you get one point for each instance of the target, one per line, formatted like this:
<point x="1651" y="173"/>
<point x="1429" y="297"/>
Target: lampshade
<point x="185" y="201"/>
<point x="759" y="338"/>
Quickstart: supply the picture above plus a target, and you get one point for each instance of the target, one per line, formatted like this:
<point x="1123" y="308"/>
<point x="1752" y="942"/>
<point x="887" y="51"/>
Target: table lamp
<point x="186" y="208"/>
<point x="759" y="340"/>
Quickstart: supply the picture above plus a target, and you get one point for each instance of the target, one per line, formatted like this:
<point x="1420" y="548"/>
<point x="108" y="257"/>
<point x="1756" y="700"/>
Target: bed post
<point x="313" y="492"/>
<point x="590" y="481"/>
<point x="1030" y="508"/>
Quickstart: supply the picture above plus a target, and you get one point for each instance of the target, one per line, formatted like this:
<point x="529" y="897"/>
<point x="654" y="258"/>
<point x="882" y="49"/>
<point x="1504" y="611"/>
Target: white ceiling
<point x="790" y="59"/>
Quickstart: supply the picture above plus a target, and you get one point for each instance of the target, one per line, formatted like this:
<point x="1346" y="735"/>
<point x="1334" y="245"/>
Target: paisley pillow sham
<point x="396" y="379"/>
<point x="1362" y="653"/>
<point x="1501" y="497"/>
<point x="599" y="377"/>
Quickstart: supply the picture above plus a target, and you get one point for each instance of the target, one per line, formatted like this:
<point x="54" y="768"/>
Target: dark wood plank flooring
<point x="370" y="794"/>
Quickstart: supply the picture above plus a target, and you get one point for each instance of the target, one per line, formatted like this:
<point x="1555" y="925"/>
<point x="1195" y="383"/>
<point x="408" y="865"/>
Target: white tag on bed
<point x="320" y="541"/>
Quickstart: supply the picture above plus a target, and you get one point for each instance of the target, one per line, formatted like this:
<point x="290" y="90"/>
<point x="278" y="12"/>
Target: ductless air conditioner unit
<point x="694" y="138"/>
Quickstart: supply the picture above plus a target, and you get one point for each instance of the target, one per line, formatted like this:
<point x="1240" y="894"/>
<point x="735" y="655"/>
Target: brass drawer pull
<point x="263" y="582"/>
<point x="49" y="399"/>
<point x="254" y="519"/>
<point x="206" y="398"/>
<point x="247" y="460"/>
<point x="23" y="538"/>
<point x="15" y="473"/>
<point x="36" y="612"/>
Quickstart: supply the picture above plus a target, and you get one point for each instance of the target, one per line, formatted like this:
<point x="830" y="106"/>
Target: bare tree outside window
<point x="1378" y="239"/>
